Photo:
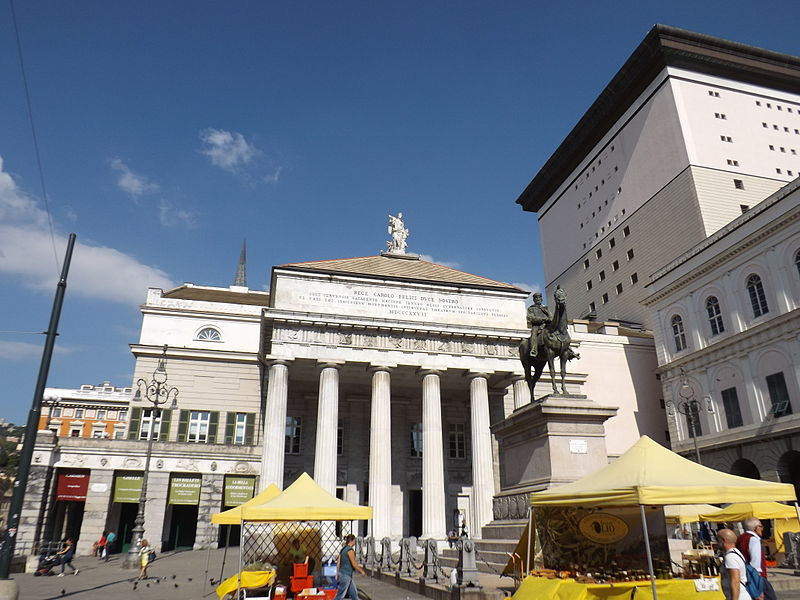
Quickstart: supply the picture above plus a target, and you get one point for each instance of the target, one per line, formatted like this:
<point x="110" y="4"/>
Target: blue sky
<point x="171" y="131"/>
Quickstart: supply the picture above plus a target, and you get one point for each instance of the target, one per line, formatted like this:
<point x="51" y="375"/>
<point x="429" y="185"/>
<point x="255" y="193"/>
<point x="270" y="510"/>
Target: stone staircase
<point x="498" y="539"/>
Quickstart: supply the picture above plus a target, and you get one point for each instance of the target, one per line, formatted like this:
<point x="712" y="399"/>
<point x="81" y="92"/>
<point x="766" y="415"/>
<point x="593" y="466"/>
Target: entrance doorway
<point x="182" y="527"/>
<point x="415" y="512"/>
<point x="127" y="519"/>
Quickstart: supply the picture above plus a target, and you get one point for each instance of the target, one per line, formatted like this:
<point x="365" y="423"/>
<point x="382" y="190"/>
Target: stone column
<point x="380" y="452"/>
<point x="482" y="476"/>
<point x="522" y="394"/>
<point x="327" y="426"/>
<point x="434" y="524"/>
<point x="275" y="424"/>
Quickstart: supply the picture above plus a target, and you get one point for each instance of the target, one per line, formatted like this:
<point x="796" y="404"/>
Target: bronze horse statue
<point x="554" y="343"/>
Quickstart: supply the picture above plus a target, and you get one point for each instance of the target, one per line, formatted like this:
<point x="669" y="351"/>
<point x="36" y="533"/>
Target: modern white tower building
<point x="691" y="132"/>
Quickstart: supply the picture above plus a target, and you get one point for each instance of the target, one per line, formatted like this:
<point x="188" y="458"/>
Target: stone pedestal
<point x="553" y="441"/>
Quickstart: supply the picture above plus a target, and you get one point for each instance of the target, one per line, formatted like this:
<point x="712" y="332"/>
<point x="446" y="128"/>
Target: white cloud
<point x="98" y="272"/>
<point x="444" y="263"/>
<point x="528" y="287"/>
<point x="227" y="150"/>
<point x="170" y="216"/>
<point x="274" y="177"/>
<point x="131" y="183"/>
<point x="25" y="350"/>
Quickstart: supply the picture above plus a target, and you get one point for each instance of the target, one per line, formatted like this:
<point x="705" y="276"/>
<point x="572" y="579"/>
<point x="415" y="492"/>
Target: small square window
<point x="744" y="208"/>
<point x="634" y="279"/>
<point x="615" y="265"/>
<point x="783" y="149"/>
<point x="786" y="129"/>
<point x="591" y="307"/>
<point x="619" y="288"/>
<point x="771" y="147"/>
<point x="605" y="298"/>
<point x="602" y="275"/>
<point x="586" y="263"/>
<point x="738" y="184"/>
<point x="758" y="103"/>
<point x="775" y="127"/>
<point x="763" y="124"/>
<point x="630" y="254"/>
<point x="778" y="171"/>
<point x="588" y="285"/>
<point x="611" y="242"/>
<point x="626" y="231"/>
<point x="769" y="105"/>
<point x="789" y="173"/>
<point x="788" y="109"/>
<point x="778" y="106"/>
<point x="599" y="253"/>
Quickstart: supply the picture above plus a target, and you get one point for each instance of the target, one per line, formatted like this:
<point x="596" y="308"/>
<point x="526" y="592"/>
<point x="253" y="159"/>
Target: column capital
<point x="476" y="374"/>
<point x="277" y="360"/>
<point x="430" y="371"/>
<point x="330" y="364"/>
<point x="384" y="367"/>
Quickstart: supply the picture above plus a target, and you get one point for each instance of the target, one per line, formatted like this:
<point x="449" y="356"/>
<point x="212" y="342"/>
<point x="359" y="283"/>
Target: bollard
<point x="467" y="566"/>
<point x="372" y="559"/>
<point x="386" y="554"/>
<point x="430" y="572"/>
<point x="408" y="552"/>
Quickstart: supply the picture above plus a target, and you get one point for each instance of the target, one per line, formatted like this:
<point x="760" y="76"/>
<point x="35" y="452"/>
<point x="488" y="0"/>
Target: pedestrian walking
<point x="733" y="573"/>
<point x="144" y="557"/>
<point x="65" y="557"/>
<point x="345" y="565"/>
<point x="749" y="544"/>
<point x="101" y="545"/>
<point x="110" y="539"/>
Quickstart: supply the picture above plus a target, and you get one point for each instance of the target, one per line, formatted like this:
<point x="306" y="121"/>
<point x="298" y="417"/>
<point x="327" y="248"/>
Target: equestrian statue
<point x="549" y="339"/>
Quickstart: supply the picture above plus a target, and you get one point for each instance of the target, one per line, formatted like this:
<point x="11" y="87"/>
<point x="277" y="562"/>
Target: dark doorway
<point x="182" y="527"/>
<point x="127" y="518"/>
<point x="66" y="520"/>
<point x="415" y="512"/>
<point x="229" y="535"/>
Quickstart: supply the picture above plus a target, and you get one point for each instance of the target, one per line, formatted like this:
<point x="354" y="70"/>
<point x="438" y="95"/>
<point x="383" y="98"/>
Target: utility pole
<point x="21" y="482"/>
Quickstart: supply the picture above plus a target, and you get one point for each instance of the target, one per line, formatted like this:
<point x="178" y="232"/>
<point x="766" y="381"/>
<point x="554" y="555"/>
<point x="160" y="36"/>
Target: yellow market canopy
<point x="649" y="474"/>
<point x="686" y="513"/>
<point x="234" y="515"/>
<point x="741" y="510"/>
<point x="304" y="500"/>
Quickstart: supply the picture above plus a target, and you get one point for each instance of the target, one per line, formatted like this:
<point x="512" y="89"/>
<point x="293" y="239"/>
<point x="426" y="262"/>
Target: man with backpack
<point x="733" y="573"/>
<point x="749" y="544"/>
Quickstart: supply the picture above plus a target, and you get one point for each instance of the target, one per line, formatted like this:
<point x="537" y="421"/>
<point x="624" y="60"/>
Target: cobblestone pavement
<point x="181" y="575"/>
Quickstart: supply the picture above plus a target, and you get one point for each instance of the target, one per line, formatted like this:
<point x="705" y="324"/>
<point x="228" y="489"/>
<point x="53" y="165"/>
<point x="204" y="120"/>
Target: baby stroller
<point x="46" y="564"/>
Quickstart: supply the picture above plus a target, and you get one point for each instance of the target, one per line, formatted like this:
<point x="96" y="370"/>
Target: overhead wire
<point x="33" y="133"/>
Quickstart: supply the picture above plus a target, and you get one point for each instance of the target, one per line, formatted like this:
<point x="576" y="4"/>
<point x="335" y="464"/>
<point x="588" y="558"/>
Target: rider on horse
<point x="538" y="317"/>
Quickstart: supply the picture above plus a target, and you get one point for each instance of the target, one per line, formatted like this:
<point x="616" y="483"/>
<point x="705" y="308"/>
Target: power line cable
<point x="33" y="133"/>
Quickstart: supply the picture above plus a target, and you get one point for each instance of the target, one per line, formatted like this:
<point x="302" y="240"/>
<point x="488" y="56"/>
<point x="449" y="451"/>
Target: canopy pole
<point x="528" y="554"/>
<point x="797" y="510"/>
<point x="649" y="555"/>
<point x="205" y="577"/>
<point x="225" y="552"/>
<point x="241" y="549"/>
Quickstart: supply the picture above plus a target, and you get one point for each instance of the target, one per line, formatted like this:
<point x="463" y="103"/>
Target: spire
<point x="241" y="270"/>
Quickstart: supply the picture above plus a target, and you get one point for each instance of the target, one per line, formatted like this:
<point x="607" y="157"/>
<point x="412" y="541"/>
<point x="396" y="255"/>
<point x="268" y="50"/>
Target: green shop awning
<point x="184" y="489"/>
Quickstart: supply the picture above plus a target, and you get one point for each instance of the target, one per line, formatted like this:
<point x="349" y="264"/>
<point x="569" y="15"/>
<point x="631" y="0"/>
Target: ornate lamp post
<point x="690" y="407"/>
<point x="158" y="393"/>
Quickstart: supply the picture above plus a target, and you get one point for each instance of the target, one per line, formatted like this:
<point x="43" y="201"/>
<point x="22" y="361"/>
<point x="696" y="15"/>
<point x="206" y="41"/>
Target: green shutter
<point x="133" y="427"/>
<point x="183" y="425"/>
<point x="249" y="428"/>
<point x="166" y="419"/>
<point x="213" y="425"/>
<point x="230" y="425"/>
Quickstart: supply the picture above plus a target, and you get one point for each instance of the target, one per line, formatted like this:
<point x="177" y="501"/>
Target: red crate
<point x="330" y="594"/>
<point x="300" y="569"/>
<point x="298" y="584"/>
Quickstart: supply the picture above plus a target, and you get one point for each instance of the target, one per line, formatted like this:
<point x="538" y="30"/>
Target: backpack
<point x="755" y="583"/>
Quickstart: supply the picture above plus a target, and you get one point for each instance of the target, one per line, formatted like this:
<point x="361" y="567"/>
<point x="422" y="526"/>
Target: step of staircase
<point x="491" y="557"/>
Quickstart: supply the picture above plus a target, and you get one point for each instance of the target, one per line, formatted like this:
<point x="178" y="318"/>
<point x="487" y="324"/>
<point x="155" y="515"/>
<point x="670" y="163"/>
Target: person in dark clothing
<point x="65" y="557"/>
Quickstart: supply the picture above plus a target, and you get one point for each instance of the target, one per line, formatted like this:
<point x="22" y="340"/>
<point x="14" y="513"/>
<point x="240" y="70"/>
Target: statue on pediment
<point x="399" y="233"/>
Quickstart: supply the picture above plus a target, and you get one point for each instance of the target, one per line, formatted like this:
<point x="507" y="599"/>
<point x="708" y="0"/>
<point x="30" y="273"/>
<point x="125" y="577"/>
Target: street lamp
<point x="688" y="406"/>
<point x="157" y="393"/>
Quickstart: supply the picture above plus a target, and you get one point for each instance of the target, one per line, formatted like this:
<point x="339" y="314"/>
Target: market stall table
<point x="540" y="588"/>
<point x="250" y="580"/>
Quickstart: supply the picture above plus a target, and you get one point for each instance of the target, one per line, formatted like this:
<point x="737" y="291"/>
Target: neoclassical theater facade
<point x="381" y="376"/>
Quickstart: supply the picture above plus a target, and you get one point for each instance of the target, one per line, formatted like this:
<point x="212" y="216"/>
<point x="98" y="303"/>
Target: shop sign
<point x="72" y="485"/>
<point x="238" y="490"/>
<point x="603" y="528"/>
<point x="184" y="490"/>
<point x="127" y="488"/>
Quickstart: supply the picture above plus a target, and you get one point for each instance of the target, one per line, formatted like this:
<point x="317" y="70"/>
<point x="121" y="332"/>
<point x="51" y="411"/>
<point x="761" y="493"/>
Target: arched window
<point x="758" y="300"/>
<point x="714" y="315"/>
<point x="209" y="334"/>
<point x="797" y="261"/>
<point x="678" y="333"/>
